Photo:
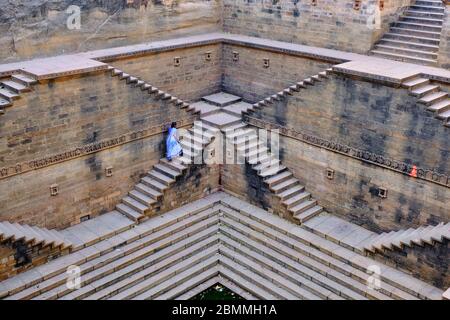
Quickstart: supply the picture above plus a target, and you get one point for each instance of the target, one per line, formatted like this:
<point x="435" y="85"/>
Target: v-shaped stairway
<point x="223" y="239"/>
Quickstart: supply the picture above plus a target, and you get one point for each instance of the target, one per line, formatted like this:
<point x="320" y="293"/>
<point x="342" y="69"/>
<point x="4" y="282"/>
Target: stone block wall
<point x="427" y="262"/>
<point x="384" y="122"/>
<point x="196" y="76"/>
<point x="333" y="24"/>
<point x="248" y="78"/>
<point x="373" y="117"/>
<point x="12" y="263"/>
<point x="88" y="123"/>
<point x="40" y="28"/>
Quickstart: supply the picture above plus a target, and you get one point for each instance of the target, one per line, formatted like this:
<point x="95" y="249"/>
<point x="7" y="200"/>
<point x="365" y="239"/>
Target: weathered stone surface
<point x="39" y="28"/>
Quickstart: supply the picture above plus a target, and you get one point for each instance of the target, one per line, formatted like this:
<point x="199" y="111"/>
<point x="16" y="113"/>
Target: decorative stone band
<point x="23" y="167"/>
<point x="379" y="160"/>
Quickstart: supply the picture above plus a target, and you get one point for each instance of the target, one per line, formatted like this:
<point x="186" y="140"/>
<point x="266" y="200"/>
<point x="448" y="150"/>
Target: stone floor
<point x="351" y="63"/>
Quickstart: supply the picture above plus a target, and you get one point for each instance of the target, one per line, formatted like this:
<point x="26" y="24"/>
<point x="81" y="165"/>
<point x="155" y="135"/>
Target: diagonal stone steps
<point x="253" y="149"/>
<point x="144" y="86"/>
<point x="415" y="37"/>
<point x="430" y="95"/>
<point x="13" y="87"/>
<point x="216" y="239"/>
<point x="410" y="237"/>
<point x="293" y="89"/>
<point x="31" y="235"/>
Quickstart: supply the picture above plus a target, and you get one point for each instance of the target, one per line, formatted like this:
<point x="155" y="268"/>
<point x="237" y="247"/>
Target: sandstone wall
<point x="383" y="121"/>
<point x="194" y="78"/>
<point x="427" y="262"/>
<point x="77" y="112"/>
<point x="39" y="28"/>
<point x="248" y="78"/>
<point x="331" y="24"/>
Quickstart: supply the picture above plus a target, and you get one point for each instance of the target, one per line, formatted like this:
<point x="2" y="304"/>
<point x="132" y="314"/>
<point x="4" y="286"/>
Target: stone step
<point x="285" y="185"/>
<point x="308" y="214"/>
<point x="416" y="82"/>
<point x="291" y="275"/>
<point x="168" y="171"/>
<point x="428" y="8"/>
<point x="262" y="282"/>
<point x="129" y="258"/>
<point x="296" y="200"/>
<point x="24" y="79"/>
<point x="155" y="194"/>
<point x="280" y="286"/>
<point x="303" y="258"/>
<point x="174" y="165"/>
<point x="135" y="205"/>
<point x="419" y="26"/>
<point x="407" y="51"/>
<point x="425" y="89"/>
<point x="161" y="178"/>
<point x="412" y="38"/>
<point x="247" y="285"/>
<point x="154" y="184"/>
<point x="190" y="283"/>
<point x="129" y="212"/>
<point x="142" y="198"/>
<point x="433" y="98"/>
<point x="441" y="106"/>
<point x="421" y="47"/>
<point x="266" y="163"/>
<point x="435" y="21"/>
<point x="443" y="115"/>
<point x="4" y="103"/>
<point x="14" y="86"/>
<point x="303" y="206"/>
<point x="274" y="180"/>
<point x="403" y="57"/>
<point x="416" y="32"/>
<point x="208" y="268"/>
<point x="301" y="270"/>
<point x="221" y="120"/>
<point x="327" y="254"/>
<point x="133" y="274"/>
<point x="221" y="99"/>
<point x="271" y="171"/>
<point x="8" y="95"/>
<point x="424" y="14"/>
<point x="290" y="192"/>
<point x="124" y="238"/>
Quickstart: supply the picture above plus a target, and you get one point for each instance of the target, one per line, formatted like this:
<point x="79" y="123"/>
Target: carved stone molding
<point x="366" y="156"/>
<point x="80" y="151"/>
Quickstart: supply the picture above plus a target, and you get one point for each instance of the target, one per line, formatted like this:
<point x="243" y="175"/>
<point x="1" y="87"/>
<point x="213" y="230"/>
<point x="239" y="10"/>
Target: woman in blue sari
<point x="173" y="144"/>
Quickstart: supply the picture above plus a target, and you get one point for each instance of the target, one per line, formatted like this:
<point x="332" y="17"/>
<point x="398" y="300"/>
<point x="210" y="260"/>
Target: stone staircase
<point x="260" y="256"/>
<point x="144" y="86"/>
<point x="310" y="81"/>
<point x="11" y="88"/>
<point x="218" y="111"/>
<point x="410" y="237"/>
<point x="415" y="37"/>
<point x="31" y="235"/>
<point x="432" y="96"/>
<point x="148" y="194"/>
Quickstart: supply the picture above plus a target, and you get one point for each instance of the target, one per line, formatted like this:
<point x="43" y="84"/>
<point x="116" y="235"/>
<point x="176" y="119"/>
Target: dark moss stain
<point x="280" y="112"/>
<point x="256" y="188"/>
<point x="95" y="166"/>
